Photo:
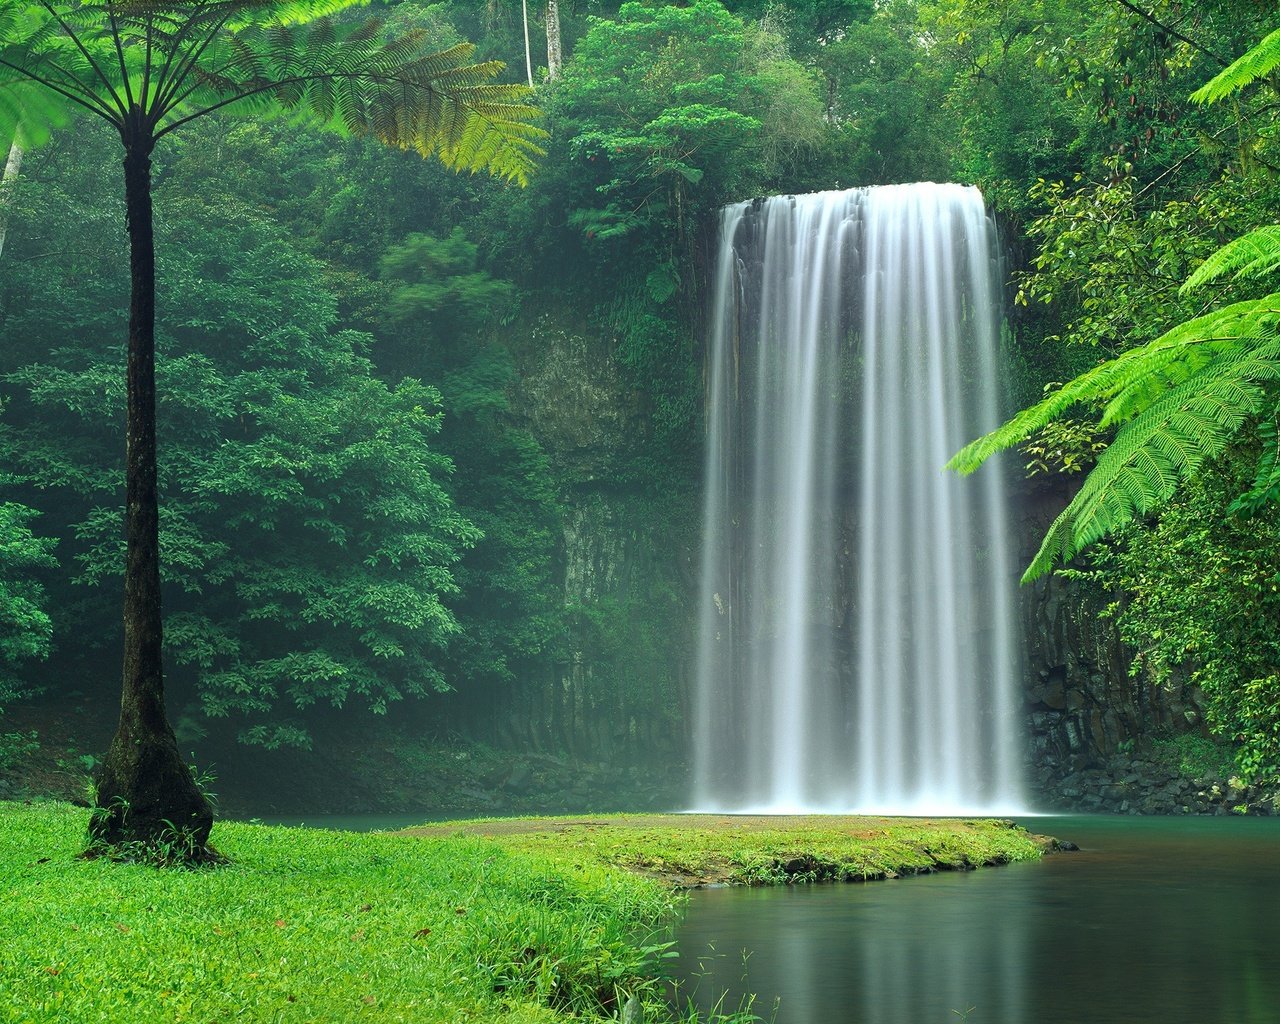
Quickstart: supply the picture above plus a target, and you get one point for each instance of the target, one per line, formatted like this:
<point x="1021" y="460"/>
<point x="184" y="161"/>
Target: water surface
<point x="1168" y="920"/>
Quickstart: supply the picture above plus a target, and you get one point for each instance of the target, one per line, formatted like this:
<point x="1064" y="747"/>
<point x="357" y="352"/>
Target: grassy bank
<point x="526" y="923"/>
<point x="306" y="925"/>
<point x="698" y="849"/>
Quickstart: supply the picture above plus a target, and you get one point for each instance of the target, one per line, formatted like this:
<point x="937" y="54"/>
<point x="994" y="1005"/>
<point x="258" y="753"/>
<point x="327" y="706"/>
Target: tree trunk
<point x="8" y="182"/>
<point x="145" y="790"/>
<point x="555" y="56"/>
<point x="528" y="54"/>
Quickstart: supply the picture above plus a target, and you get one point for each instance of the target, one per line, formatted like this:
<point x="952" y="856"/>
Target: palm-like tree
<point x="146" y="68"/>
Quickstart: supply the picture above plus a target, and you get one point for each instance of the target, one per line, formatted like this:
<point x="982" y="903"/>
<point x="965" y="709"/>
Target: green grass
<point x="533" y="926"/>
<point x="754" y="851"/>
<point x="306" y="925"/>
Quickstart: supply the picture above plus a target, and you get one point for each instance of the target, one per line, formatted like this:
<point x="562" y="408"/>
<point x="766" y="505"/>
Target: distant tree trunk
<point x="528" y="53"/>
<point x="8" y="182"/>
<point x="145" y="789"/>
<point x="554" y="54"/>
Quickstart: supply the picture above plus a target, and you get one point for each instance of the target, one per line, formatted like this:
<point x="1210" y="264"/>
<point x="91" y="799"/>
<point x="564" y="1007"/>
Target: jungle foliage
<point x="430" y="433"/>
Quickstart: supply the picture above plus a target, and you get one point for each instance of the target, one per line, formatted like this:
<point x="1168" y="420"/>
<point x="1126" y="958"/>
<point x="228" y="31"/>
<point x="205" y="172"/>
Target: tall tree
<point x="555" y="45"/>
<point x="147" y="68"/>
<point x="9" y="181"/>
<point x="528" y="54"/>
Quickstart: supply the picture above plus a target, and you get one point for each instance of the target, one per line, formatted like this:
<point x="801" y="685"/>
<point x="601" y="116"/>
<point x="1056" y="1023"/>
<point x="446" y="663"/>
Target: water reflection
<point x="1159" y="920"/>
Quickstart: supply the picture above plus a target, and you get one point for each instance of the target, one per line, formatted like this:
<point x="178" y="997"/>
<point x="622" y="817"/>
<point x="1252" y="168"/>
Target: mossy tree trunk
<point x="555" y="55"/>
<point x="146" y="793"/>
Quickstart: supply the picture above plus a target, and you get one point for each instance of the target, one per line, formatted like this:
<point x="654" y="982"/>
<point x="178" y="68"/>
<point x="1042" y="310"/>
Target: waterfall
<point x="856" y="647"/>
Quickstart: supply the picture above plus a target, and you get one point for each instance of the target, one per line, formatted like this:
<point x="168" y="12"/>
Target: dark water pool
<point x="1168" y="920"/>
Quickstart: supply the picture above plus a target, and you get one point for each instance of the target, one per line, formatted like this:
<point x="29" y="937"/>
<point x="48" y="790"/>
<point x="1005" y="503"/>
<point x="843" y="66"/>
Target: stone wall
<point x="609" y="690"/>
<point x="1089" y="720"/>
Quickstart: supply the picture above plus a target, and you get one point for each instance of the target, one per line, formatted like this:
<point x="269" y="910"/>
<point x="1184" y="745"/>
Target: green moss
<point x="1195" y="757"/>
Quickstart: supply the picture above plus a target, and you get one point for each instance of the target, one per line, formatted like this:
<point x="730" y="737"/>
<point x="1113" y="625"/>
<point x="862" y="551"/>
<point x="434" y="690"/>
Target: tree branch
<point x="167" y="98"/>
<point x="119" y="46"/>
<point x="1170" y="30"/>
<point x="92" y="104"/>
<point x="70" y="34"/>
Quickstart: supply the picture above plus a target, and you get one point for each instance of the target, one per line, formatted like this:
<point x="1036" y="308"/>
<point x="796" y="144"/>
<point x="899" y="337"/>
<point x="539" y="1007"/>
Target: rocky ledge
<point x="1125" y="784"/>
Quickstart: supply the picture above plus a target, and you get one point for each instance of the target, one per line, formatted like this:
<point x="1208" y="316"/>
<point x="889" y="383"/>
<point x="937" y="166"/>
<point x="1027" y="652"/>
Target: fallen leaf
<point x="422" y="933"/>
<point x="52" y="970"/>
<point x="368" y="1000"/>
<point x="365" y="907"/>
<point x="460" y="910"/>
<point x="279" y="923"/>
<point x="123" y="927"/>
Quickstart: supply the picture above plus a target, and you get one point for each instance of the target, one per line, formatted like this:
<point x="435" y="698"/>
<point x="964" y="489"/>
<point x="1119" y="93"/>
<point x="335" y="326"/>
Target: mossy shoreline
<point x="692" y="850"/>
<point x="530" y="921"/>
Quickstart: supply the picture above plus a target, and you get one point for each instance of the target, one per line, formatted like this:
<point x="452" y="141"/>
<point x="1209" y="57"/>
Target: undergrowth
<point x="1195" y="757"/>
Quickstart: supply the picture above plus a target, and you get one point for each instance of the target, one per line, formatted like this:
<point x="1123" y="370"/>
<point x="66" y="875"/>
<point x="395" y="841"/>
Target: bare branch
<point x="1170" y="30"/>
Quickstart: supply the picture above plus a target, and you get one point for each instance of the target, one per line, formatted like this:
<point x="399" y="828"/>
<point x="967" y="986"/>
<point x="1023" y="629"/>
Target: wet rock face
<point x="1135" y="784"/>
<point x="1085" y="712"/>
<point x="1080" y="702"/>
<point x="572" y="397"/>
<point x="606" y="688"/>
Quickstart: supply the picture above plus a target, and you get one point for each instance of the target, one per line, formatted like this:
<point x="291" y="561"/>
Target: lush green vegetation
<point x="697" y="849"/>
<point x="309" y="925"/>
<point x="429" y="443"/>
<point x="1196" y="406"/>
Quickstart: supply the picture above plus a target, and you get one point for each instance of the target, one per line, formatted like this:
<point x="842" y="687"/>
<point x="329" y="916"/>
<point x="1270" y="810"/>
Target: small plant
<point x="204" y="780"/>
<point x="79" y="764"/>
<point x="1064" y="447"/>
<point x="16" y="747"/>
<point x="1195" y="757"/>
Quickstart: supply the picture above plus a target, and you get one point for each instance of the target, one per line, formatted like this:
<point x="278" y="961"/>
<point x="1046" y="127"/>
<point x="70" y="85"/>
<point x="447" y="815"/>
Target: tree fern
<point x="147" y="68"/>
<point x="1256" y="64"/>
<point x="1180" y="398"/>
<point x="1170" y="441"/>
<point x="1252" y="255"/>
<point x="179" y="61"/>
<point x="1127" y="384"/>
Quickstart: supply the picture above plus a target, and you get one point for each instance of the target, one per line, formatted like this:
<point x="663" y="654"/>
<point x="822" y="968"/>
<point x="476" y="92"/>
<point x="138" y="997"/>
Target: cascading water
<point x="856" y="643"/>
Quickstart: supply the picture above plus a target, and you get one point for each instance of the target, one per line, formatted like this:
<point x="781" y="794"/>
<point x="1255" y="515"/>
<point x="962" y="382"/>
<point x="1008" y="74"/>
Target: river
<point x="1169" y="920"/>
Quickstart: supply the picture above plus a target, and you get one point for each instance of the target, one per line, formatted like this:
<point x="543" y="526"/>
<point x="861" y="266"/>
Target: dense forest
<point x="430" y="443"/>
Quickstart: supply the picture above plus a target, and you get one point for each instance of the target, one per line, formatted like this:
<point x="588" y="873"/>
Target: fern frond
<point x="1256" y="63"/>
<point x="1252" y="255"/>
<point x="1165" y="444"/>
<point x="1189" y="347"/>
<point x="1132" y="380"/>
<point x="1266" y="475"/>
<point x="400" y="91"/>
